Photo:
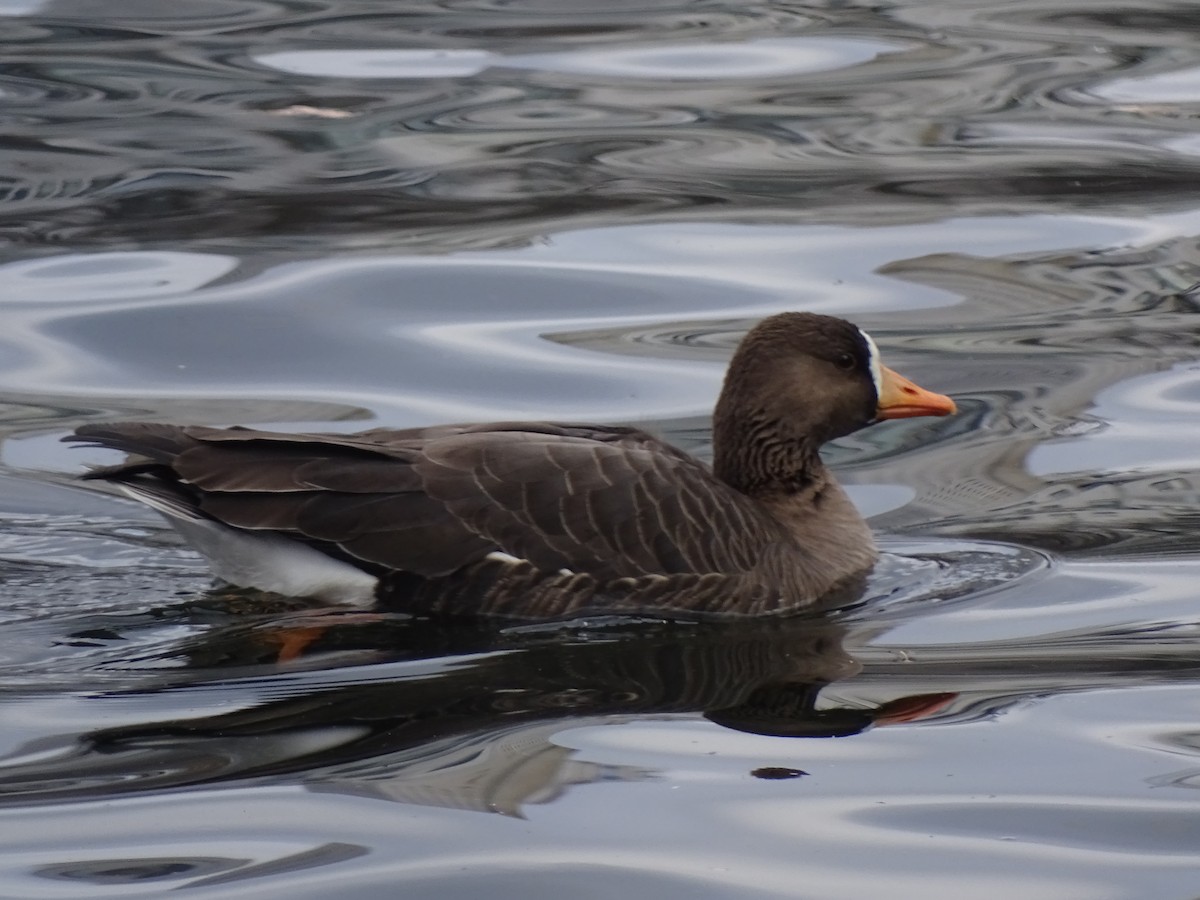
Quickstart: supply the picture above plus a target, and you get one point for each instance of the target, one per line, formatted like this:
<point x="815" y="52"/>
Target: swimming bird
<point x="542" y="520"/>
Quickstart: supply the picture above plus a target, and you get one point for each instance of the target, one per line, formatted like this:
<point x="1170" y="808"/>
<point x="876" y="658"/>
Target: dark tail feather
<point x="169" y="497"/>
<point x="160" y="443"/>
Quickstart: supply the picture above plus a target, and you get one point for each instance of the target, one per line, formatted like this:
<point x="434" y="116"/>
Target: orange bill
<point x="911" y="709"/>
<point x="899" y="398"/>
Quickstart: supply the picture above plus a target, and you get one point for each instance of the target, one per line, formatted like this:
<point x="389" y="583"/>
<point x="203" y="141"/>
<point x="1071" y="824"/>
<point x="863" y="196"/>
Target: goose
<point x="545" y="520"/>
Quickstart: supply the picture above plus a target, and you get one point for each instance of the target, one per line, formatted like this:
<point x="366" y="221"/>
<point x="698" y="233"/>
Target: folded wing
<point x="609" y="502"/>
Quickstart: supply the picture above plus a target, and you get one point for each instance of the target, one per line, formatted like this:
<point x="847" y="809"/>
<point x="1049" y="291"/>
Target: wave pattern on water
<point x="453" y="114"/>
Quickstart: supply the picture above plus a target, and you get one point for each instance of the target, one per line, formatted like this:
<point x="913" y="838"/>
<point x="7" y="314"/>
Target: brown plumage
<point x="539" y="520"/>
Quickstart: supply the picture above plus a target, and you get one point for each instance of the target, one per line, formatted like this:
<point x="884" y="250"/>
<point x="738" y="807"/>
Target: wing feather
<point x="609" y="502"/>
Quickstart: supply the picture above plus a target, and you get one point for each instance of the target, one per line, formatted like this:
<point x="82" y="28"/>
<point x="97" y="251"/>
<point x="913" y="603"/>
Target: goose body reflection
<point x="545" y="520"/>
<point x="477" y="735"/>
<point x="471" y="717"/>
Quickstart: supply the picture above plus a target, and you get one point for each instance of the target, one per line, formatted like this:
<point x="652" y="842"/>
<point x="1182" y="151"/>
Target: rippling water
<point x="342" y="215"/>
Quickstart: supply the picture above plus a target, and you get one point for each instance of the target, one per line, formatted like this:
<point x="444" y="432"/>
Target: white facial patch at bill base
<point x="876" y="365"/>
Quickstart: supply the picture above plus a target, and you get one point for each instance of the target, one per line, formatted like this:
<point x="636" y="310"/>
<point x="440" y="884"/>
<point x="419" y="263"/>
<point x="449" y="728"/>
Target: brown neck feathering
<point x="755" y="451"/>
<point x="753" y="454"/>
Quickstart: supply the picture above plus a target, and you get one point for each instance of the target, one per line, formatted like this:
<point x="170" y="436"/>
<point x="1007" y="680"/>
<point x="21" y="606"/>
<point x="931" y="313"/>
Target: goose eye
<point x="845" y="361"/>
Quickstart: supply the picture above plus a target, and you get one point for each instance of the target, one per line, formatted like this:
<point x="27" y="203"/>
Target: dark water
<point x="343" y="215"/>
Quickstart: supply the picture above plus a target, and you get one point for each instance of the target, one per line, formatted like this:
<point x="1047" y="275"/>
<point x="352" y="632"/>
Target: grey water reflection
<point x="351" y="122"/>
<point x="341" y="215"/>
<point x="470" y="721"/>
